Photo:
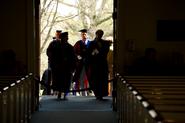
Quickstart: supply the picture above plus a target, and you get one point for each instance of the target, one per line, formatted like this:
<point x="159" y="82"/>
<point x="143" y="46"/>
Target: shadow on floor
<point x="77" y="109"/>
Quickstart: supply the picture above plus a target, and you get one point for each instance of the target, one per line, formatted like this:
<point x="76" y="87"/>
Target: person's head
<point x="64" y="36"/>
<point x="57" y="34"/>
<point x="99" y="33"/>
<point x="83" y="34"/>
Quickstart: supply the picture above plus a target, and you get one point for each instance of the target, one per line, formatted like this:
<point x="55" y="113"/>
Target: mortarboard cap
<point x="83" y="30"/>
<point x="64" y="34"/>
<point x="59" y="31"/>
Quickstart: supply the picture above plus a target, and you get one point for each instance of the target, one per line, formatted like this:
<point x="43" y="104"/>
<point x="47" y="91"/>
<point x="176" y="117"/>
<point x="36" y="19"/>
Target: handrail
<point x="162" y="94"/>
<point x="152" y="116"/>
<point x="17" y="98"/>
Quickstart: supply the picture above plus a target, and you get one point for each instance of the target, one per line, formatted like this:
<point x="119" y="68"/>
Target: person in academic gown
<point x="97" y="60"/>
<point x="81" y="72"/>
<point x="62" y="59"/>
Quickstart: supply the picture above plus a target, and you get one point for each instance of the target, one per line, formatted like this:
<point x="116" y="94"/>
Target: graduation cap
<point x="59" y="31"/>
<point x="64" y="34"/>
<point x="83" y="30"/>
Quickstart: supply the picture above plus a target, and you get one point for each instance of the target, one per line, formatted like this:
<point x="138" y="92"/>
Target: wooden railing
<point x="151" y="99"/>
<point x="17" y="98"/>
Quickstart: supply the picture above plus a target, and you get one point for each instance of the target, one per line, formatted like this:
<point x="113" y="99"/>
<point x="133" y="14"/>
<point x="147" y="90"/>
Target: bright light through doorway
<point x="71" y="16"/>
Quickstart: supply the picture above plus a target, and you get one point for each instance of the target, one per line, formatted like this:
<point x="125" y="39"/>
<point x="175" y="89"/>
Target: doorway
<point x="71" y="16"/>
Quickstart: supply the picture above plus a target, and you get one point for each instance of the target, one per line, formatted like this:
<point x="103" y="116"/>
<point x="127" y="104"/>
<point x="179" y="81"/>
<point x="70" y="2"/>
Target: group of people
<point x="84" y="64"/>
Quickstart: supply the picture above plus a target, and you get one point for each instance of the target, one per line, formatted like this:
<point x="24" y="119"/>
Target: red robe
<point x="80" y="76"/>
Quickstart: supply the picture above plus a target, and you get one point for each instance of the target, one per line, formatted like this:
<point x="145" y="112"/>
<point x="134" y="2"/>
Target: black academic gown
<point x="97" y="59"/>
<point x="61" y="59"/>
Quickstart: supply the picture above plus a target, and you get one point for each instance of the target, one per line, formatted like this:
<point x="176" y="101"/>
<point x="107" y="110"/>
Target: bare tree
<point x="70" y="16"/>
<point x="90" y="14"/>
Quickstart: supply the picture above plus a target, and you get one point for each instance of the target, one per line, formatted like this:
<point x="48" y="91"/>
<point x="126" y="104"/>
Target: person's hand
<point x="95" y="52"/>
<point x="79" y="57"/>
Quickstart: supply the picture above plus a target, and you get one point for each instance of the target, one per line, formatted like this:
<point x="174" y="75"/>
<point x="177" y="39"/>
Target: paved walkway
<point x="77" y="109"/>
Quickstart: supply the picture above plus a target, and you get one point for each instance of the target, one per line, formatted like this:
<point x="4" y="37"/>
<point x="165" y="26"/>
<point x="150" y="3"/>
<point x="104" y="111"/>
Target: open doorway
<point x="71" y="16"/>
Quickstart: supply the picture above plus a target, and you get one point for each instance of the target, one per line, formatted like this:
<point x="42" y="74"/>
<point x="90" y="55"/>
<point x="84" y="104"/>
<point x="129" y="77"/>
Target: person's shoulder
<point x="70" y="48"/>
<point x="69" y="45"/>
<point x="53" y="42"/>
<point x="78" y="42"/>
<point x="92" y="41"/>
<point x="107" y="42"/>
